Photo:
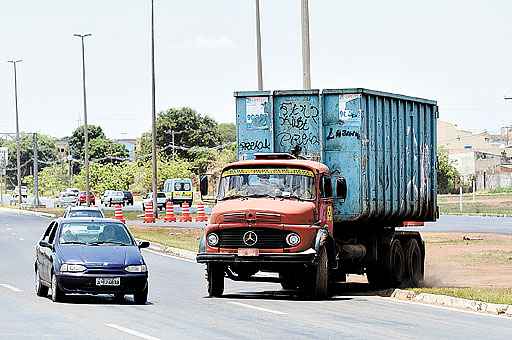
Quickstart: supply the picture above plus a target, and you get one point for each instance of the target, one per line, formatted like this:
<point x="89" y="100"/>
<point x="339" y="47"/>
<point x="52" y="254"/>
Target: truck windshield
<point x="265" y="182"/>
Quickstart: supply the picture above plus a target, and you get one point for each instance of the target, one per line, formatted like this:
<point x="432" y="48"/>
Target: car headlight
<point x="141" y="268"/>
<point x="213" y="239"/>
<point x="72" y="268"/>
<point x="292" y="239"/>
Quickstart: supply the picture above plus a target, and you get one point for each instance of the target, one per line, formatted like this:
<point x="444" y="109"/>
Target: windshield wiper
<point x="106" y="242"/>
<point x="73" y="242"/>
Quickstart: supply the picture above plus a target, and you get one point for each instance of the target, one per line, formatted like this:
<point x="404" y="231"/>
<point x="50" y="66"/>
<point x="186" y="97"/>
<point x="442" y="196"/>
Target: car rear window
<point x="85" y="213"/>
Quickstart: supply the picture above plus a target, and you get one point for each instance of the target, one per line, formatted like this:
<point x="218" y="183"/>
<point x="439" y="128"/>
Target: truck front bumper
<point x="306" y="257"/>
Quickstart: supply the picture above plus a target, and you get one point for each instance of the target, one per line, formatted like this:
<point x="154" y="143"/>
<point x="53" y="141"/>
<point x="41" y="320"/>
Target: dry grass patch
<point x="489" y="295"/>
<point x="184" y="238"/>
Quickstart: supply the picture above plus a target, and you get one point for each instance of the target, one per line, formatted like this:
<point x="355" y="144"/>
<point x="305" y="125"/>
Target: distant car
<point x="128" y="198"/>
<point x="67" y="199"/>
<point x="24" y="191"/>
<point x="111" y="197"/>
<point x="75" y="191"/>
<point x="86" y="256"/>
<point x="92" y="212"/>
<point x="82" y="198"/>
<point x="161" y="200"/>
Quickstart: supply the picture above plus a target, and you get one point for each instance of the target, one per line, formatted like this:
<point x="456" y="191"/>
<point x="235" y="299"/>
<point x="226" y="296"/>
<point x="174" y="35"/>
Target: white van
<point x="179" y="190"/>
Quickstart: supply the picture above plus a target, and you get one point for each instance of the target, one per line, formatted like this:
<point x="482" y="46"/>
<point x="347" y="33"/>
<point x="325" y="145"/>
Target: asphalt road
<point x="179" y="309"/>
<point x="470" y="224"/>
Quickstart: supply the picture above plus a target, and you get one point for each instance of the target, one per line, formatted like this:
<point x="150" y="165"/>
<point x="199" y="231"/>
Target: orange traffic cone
<point x="185" y="213"/>
<point x="149" y="216"/>
<point x="201" y="215"/>
<point x="169" y="212"/>
<point x="118" y="213"/>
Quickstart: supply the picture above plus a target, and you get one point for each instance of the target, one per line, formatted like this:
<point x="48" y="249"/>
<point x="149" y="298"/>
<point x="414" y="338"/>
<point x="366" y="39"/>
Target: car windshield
<point x="95" y="234"/>
<point x="271" y="182"/>
<point x="85" y="213"/>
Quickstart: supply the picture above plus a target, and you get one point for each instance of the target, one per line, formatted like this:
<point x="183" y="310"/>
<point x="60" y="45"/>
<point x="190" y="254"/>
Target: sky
<point x="457" y="52"/>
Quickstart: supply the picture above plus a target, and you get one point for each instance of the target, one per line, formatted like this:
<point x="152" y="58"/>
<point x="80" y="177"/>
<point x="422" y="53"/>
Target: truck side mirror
<point x="341" y="187"/>
<point x="203" y="185"/>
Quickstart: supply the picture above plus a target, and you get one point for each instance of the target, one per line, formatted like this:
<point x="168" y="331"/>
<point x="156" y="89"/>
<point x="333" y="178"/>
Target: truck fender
<point x="324" y="239"/>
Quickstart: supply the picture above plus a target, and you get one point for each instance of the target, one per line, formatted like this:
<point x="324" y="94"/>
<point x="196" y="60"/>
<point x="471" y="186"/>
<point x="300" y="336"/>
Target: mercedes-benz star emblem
<point x="250" y="238"/>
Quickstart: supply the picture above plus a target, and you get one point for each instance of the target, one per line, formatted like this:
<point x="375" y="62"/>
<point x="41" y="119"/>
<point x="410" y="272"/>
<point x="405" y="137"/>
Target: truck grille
<point x="267" y="238"/>
<point x="259" y="217"/>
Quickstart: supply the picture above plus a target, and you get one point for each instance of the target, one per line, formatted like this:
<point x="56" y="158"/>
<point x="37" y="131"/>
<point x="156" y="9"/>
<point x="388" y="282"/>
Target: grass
<point x="484" y="203"/>
<point x="494" y="257"/>
<point x="128" y="215"/>
<point x="489" y="295"/>
<point x="184" y="238"/>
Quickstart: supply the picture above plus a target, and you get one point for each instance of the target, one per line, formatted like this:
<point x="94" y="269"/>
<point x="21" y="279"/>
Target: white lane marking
<point x="257" y="308"/>
<point x="12" y="288"/>
<point x="131" y="332"/>
<point x="21" y="239"/>
<point x="171" y="256"/>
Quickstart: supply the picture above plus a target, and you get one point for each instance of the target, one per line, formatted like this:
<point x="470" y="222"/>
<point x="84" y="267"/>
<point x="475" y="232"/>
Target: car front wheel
<point x="41" y="290"/>
<point x="141" y="297"/>
<point x="57" y="294"/>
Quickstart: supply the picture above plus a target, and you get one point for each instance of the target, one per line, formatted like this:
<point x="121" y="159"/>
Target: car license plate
<point x="248" y="252"/>
<point x="108" y="281"/>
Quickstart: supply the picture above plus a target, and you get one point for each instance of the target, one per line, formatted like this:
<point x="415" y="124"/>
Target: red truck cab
<point x="272" y="215"/>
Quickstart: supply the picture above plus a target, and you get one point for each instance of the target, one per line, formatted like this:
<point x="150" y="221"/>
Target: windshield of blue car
<point x="286" y="183"/>
<point x="85" y="213"/>
<point x="95" y="234"/>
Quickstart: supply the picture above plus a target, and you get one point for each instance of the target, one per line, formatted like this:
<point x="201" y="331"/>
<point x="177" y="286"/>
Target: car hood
<point x="288" y="211"/>
<point x="99" y="255"/>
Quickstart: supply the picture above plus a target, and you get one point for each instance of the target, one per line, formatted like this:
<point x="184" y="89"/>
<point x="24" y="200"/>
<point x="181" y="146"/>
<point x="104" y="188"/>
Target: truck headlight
<point x="213" y="239"/>
<point x="72" y="268"/>
<point x="141" y="268"/>
<point x="292" y="239"/>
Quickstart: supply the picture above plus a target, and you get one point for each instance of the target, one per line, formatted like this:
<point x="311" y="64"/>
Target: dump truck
<point x="324" y="185"/>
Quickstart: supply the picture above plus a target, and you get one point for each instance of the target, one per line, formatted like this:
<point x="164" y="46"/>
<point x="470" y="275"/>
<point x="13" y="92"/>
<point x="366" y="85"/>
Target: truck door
<point x="325" y="203"/>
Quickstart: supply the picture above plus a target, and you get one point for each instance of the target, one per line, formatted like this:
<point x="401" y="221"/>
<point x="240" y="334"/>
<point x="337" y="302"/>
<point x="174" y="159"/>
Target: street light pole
<point x="18" y="152"/>
<point x="258" y="47"/>
<point x="86" y="130"/>
<point x="306" y="67"/>
<point x="508" y="127"/>
<point x="153" y="114"/>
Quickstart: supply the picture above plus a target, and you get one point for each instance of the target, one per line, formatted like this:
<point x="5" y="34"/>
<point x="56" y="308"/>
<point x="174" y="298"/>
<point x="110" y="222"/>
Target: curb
<point x="186" y="254"/>
<point x="28" y="212"/>
<point x="453" y="302"/>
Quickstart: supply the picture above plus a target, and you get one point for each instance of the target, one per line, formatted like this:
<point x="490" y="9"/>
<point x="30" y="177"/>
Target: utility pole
<point x="258" y="47"/>
<point x="18" y="152"/>
<point x="509" y="126"/>
<point x="306" y="67"/>
<point x="153" y="114"/>
<point x="36" y="171"/>
<point x="86" y="130"/>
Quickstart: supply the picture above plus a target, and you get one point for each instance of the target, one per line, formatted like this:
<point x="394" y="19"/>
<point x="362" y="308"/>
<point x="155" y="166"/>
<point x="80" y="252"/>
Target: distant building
<point x="129" y="144"/>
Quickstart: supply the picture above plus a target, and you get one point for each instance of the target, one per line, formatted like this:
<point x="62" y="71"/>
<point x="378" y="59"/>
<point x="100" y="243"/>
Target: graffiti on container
<point x="255" y="145"/>
<point x="297" y="139"/>
<point x="342" y="133"/>
<point x="297" y="115"/>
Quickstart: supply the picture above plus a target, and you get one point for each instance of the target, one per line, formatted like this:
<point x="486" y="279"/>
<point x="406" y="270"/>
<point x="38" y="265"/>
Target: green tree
<point x="52" y="180"/>
<point x="227" y="133"/>
<point x="166" y="169"/>
<point x="447" y="174"/>
<point x="46" y="153"/>
<point x="107" y="177"/>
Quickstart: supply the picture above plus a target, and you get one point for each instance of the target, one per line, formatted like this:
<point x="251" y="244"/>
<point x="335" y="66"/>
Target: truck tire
<point x="413" y="263"/>
<point x="288" y="280"/>
<point x="215" y="276"/>
<point x="318" y="280"/>
<point x="389" y="271"/>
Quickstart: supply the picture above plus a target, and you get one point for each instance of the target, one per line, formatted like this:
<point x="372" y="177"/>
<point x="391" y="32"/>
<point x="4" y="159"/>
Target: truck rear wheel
<point x="389" y="270"/>
<point x="413" y="263"/>
<point x="318" y="280"/>
<point x="215" y="277"/>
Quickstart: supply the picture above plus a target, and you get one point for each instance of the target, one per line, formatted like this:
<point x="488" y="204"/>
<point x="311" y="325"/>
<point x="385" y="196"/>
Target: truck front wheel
<point x="318" y="280"/>
<point x="215" y="277"/>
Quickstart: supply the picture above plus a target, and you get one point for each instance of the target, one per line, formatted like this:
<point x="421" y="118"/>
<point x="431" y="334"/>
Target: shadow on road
<point x="99" y="300"/>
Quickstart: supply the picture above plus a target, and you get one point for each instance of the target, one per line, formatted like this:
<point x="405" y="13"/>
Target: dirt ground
<point x="480" y="261"/>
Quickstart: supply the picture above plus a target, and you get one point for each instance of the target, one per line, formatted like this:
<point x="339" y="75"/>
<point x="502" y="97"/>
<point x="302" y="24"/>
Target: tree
<point x="107" y="177"/>
<point x="166" y="169"/>
<point x="227" y="132"/>
<point x="52" y="180"/>
<point x="46" y="153"/>
<point x="101" y="148"/>
<point x="447" y="174"/>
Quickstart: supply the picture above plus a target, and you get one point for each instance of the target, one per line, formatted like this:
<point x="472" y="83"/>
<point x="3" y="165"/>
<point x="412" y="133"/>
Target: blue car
<point x="90" y="256"/>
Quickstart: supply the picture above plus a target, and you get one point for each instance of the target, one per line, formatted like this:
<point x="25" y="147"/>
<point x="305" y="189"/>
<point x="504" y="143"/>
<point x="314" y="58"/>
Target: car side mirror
<point x="45" y="244"/>
<point x="203" y="185"/>
<point x="143" y="244"/>
<point x="341" y="187"/>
